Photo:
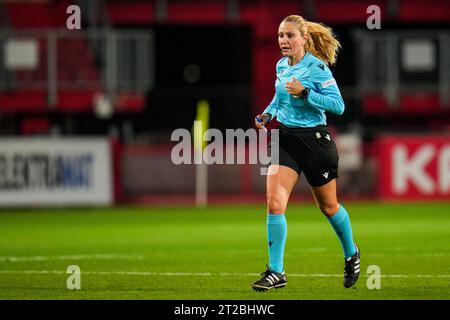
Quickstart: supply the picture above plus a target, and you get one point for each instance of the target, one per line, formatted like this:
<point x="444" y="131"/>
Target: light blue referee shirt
<point x="324" y="94"/>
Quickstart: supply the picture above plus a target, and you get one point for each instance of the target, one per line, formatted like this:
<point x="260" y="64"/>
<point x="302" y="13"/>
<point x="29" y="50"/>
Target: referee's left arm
<point x="325" y="94"/>
<point x="328" y="100"/>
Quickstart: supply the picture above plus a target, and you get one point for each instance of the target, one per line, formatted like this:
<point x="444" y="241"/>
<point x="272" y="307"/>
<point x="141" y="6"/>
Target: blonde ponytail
<point x="321" y="42"/>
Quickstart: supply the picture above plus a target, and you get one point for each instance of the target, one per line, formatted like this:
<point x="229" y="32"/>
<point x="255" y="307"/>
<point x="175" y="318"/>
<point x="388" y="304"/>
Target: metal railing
<point x="108" y="60"/>
<point x="381" y="64"/>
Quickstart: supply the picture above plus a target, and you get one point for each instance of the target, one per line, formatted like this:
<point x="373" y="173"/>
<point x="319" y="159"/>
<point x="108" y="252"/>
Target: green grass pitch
<point x="216" y="252"/>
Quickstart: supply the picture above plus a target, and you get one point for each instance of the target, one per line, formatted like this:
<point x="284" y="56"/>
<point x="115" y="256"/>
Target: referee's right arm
<point x="272" y="108"/>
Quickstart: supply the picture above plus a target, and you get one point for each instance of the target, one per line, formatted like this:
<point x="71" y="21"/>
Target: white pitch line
<point x="70" y="257"/>
<point x="209" y="274"/>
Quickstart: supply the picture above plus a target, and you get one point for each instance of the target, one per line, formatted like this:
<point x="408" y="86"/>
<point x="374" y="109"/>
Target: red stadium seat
<point x="30" y="15"/>
<point x="375" y="104"/>
<point x="409" y="104"/>
<point x="424" y="11"/>
<point x="260" y="19"/>
<point x="346" y="11"/>
<point x="75" y="101"/>
<point x="38" y="14"/>
<point x="420" y="103"/>
<point x="196" y="12"/>
<point x="35" y="125"/>
<point x="131" y="12"/>
<point x="23" y="101"/>
<point x="130" y="102"/>
<point x="265" y="17"/>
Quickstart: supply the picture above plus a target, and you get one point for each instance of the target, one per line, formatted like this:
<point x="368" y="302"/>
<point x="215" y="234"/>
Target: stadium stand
<point x="92" y="64"/>
<point x="75" y="63"/>
<point x="79" y="72"/>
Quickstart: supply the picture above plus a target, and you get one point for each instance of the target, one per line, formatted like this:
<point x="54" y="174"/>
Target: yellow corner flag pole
<point x="201" y="124"/>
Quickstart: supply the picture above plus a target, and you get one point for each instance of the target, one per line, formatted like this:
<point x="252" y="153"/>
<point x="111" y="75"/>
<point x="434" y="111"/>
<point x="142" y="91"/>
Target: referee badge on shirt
<point x="328" y="83"/>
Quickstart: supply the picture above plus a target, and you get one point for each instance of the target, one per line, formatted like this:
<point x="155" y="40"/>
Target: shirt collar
<point x="298" y="64"/>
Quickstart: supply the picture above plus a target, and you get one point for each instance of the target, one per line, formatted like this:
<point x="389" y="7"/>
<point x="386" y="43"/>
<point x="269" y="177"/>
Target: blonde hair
<point x="321" y="41"/>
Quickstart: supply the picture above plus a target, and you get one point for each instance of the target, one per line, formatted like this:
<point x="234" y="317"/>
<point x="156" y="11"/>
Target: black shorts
<point x="311" y="150"/>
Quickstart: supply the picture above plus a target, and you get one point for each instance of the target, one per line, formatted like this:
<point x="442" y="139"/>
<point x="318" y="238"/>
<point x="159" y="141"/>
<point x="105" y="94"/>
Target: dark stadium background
<point x="228" y="50"/>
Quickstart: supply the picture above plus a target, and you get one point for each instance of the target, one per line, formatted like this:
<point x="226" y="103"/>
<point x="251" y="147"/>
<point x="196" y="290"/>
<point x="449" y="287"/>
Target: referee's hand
<point x="264" y="119"/>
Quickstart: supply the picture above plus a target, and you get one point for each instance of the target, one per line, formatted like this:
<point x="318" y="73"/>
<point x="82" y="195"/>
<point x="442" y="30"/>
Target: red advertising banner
<point x="414" y="167"/>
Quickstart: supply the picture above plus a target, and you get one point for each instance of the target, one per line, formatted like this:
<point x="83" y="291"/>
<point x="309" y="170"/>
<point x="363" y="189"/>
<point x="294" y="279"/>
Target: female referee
<point x="304" y="90"/>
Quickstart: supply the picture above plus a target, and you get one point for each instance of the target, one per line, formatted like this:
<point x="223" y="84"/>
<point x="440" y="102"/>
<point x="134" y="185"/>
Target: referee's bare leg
<point x="326" y="198"/>
<point x="280" y="182"/>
